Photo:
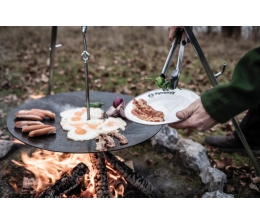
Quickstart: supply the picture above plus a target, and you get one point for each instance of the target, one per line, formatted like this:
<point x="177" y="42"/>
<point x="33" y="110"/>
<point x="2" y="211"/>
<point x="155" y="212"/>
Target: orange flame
<point x="49" y="166"/>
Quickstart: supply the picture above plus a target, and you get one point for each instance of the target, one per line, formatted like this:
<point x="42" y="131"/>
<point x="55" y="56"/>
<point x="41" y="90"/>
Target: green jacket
<point x="225" y="101"/>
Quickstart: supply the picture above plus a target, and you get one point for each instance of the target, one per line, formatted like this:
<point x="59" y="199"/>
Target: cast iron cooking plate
<point x="134" y="132"/>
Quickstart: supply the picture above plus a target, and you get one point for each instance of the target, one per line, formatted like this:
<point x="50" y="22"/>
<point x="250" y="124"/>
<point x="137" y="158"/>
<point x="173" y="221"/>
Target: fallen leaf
<point x="254" y="187"/>
<point x="256" y="180"/>
<point x="230" y="188"/>
<point x="44" y="78"/>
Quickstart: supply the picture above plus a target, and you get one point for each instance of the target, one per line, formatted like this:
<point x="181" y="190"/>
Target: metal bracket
<point x="214" y="82"/>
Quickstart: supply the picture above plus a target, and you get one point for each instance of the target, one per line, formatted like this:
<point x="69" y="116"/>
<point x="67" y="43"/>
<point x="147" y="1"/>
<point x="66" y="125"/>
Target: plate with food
<point x="159" y="106"/>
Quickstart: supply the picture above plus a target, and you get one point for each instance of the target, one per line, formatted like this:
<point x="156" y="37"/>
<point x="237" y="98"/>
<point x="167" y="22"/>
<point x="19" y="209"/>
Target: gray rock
<point x="192" y="154"/>
<point x="7" y="146"/>
<point x="213" y="179"/>
<point x="166" y="138"/>
<point x="217" y="194"/>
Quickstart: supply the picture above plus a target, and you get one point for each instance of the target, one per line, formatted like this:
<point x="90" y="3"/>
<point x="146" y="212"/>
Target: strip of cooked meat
<point x="100" y="144"/>
<point x="110" y="143"/>
<point x="122" y="139"/>
<point x="145" y="112"/>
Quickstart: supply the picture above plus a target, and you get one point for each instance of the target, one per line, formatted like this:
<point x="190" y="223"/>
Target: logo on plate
<point x="151" y="95"/>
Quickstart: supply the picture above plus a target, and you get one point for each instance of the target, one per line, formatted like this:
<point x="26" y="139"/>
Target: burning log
<point x="66" y="183"/>
<point x="101" y="179"/>
<point x="130" y="176"/>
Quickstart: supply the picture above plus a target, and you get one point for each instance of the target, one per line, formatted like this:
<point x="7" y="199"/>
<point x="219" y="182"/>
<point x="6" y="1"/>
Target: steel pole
<point x="52" y="52"/>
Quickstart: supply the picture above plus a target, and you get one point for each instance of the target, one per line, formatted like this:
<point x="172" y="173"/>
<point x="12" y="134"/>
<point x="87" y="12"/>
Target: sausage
<point x="34" y="127"/>
<point x="43" y="131"/>
<point x="29" y="117"/>
<point x="20" y="124"/>
<point x="47" y="113"/>
<point x="30" y="112"/>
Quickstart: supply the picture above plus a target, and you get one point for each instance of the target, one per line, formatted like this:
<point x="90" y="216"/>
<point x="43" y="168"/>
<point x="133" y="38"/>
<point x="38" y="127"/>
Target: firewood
<point x="101" y="179"/>
<point x="130" y="176"/>
<point x="66" y="183"/>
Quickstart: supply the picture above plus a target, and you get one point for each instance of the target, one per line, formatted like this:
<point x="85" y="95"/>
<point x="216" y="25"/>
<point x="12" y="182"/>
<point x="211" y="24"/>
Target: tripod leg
<point x="53" y="43"/>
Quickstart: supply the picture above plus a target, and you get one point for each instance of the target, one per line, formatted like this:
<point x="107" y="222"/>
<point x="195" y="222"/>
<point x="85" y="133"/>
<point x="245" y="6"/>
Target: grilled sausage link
<point x="34" y="127"/>
<point x="29" y="117"/>
<point x="43" y="131"/>
<point x="20" y="124"/>
<point x="47" y="113"/>
<point x="30" y="112"/>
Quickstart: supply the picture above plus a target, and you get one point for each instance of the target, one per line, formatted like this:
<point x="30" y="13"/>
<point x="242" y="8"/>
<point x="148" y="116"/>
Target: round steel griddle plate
<point x="134" y="132"/>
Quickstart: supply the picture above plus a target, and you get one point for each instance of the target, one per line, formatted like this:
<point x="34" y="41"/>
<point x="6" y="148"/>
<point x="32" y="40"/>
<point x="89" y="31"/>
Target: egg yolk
<point x="110" y="124"/>
<point x="77" y="118"/>
<point x="79" y="113"/>
<point x="92" y="126"/>
<point x="80" y="131"/>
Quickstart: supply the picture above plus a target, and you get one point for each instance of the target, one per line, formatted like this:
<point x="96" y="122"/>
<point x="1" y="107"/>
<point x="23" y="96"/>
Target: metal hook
<point x="223" y="69"/>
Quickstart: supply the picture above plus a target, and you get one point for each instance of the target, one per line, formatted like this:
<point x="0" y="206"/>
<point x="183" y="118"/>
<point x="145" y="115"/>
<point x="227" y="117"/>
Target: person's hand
<point x="194" y="117"/>
<point x="173" y="30"/>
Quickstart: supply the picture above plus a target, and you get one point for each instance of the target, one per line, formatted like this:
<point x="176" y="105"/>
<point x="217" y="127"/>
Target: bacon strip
<point x="100" y="144"/>
<point x="145" y="112"/>
<point x="122" y="139"/>
<point x="110" y="143"/>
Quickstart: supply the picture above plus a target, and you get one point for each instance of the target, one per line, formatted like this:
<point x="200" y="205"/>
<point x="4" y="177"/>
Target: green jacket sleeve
<point x="225" y="101"/>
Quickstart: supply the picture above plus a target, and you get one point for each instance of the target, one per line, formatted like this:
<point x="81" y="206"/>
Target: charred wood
<point x="66" y="183"/>
<point x="101" y="179"/>
<point x="130" y="176"/>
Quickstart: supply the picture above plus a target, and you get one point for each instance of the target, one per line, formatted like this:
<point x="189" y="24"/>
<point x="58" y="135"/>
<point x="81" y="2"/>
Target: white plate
<point x="169" y="102"/>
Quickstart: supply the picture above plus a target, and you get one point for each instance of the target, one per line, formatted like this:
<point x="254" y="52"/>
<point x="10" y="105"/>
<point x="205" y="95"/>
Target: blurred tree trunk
<point x="231" y="31"/>
<point x="209" y="30"/>
<point x="255" y="34"/>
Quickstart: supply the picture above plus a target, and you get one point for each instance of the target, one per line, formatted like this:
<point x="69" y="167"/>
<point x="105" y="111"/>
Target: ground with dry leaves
<point x="122" y="58"/>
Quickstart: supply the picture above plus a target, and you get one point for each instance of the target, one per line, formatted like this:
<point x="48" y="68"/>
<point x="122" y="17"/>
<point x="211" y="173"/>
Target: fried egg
<point x="112" y="124"/>
<point x="80" y="129"/>
<point x="81" y="134"/>
<point x="76" y="113"/>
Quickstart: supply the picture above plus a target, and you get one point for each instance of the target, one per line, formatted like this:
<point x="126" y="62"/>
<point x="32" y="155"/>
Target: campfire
<point x="91" y="175"/>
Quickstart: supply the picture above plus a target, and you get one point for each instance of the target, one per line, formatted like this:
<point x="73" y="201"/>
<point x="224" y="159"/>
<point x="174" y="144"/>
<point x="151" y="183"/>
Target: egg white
<point x="112" y="124"/>
<point x="90" y="134"/>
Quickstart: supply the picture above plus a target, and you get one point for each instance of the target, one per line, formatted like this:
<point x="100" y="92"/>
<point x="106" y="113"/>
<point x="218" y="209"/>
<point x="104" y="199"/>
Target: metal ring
<point x="85" y="56"/>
